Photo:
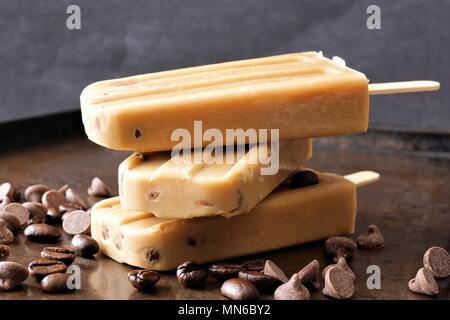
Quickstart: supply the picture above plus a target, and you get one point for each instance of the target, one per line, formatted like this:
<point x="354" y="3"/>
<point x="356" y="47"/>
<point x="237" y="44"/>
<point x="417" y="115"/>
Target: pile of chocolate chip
<point x="38" y="216"/>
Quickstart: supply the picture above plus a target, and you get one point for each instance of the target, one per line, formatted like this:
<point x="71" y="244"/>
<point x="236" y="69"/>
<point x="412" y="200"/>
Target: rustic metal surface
<point x="411" y="205"/>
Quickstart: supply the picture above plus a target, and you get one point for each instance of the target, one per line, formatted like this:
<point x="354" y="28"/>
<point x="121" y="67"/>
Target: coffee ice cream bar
<point x="285" y="218"/>
<point x="304" y="95"/>
<point x="169" y="187"/>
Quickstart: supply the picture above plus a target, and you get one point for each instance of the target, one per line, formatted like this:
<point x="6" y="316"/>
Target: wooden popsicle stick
<point x="403" y="87"/>
<point x="361" y="178"/>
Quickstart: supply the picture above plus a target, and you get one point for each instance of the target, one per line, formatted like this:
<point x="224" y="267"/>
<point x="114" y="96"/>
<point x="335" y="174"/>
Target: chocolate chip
<point x="255" y="265"/>
<point x="225" y="271"/>
<point x="118" y="242"/>
<point x="68" y="207"/>
<point x="437" y="261"/>
<point x="7" y="189"/>
<point x="143" y="279"/>
<point x="292" y="290"/>
<point x="65" y="255"/>
<point x="372" y="239"/>
<point x="260" y="280"/>
<point x="84" y="245"/>
<point x="105" y="232"/>
<point x="6" y="236"/>
<point x="271" y="269"/>
<point x="4" y="252"/>
<point x="41" y="232"/>
<point x="191" y="275"/>
<point x="52" y="199"/>
<point x="99" y="189"/>
<point x="54" y="215"/>
<point x="35" y="192"/>
<point x="40" y="268"/>
<point x="191" y="242"/>
<point x="338" y="283"/>
<point x="12" y="274"/>
<point x="303" y="179"/>
<point x="239" y="289"/>
<point x="309" y="275"/>
<point x="63" y="189"/>
<point x="57" y="283"/>
<point x="343" y="264"/>
<point x="137" y="133"/>
<point x="340" y="247"/>
<point x="153" y="195"/>
<point x="19" y="211"/>
<point x="4" y="201"/>
<point x="11" y="221"/>
<point x="424" y="283"/>
<point x="77" y="222"/>
<point x="75" y="198"/>
<point x="36" y="212"/>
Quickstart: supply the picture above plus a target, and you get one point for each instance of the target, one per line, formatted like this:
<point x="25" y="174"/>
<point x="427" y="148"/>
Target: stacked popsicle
<point x="177" y="202"/>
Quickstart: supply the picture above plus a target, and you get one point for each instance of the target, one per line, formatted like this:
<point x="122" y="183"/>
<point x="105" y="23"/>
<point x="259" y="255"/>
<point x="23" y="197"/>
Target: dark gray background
<point x="44" y="66"/>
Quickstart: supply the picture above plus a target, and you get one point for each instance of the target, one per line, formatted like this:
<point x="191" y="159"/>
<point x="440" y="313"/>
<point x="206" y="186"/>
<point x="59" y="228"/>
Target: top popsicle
<point x="304" y="95"/>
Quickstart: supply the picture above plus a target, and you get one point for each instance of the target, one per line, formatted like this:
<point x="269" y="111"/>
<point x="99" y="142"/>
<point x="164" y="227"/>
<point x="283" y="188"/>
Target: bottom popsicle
<point x="286" y="217"/>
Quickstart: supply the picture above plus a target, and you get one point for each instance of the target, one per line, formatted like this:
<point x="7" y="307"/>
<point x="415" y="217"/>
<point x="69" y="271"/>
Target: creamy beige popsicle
<point x="171" y="188"/>
<point x="304" y="95"/>
<point x="285" y="218"/>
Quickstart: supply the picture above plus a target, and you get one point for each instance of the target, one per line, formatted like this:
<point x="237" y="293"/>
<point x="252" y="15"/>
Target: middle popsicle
<point x="162" y="185"/>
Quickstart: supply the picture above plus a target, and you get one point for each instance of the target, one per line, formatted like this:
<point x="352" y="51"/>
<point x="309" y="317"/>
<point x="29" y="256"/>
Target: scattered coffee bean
<point x="338" y="283"/>
<point x="309" y="275"/>
<point x="4" y="252"/>
<point x="77" y="222"/>
<point x="75" y="198"/>
<point x="7" y="189"/>
<point x="99" y="189"/>
<point x="19" y="211"/>
<point x="34" y="192"/>
<point x="225" y="271"/>
<point x="40" y="268"/>
<point x="57" y="283"/>
<point x="260" y="280"/>
<point x="304" y="178"/>
<point x="424" y="283"/>
<point x="65" y="255"/>
<point x="37" y="212"/>
<point x="340" y="247"/>
<point x="84" y="245"/>
<point x="11" y="221"/>
<point x="63" y="189"/>
<point x="271" y="269"/>
<point x="437" y="261"/>
<point x="12" y="274"/>
<point x="372" y="239"/>
<point x="255" y="265"/>
<point x="239" y="289"/>
<point x="4" y="201"/>
<point x="52" y="199"/>
<point x="292" y="290"/>
<point x="143" y="279"/>
<point x="6" y="236"/>
<point x="41" y="232"/>
<point x="190" y="275"/>
<point x="343" y="264"/>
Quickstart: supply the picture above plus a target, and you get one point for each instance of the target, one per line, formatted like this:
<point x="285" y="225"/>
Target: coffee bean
<point x="343" y="264"/>
<point x="239" y="289"/>
<point x="372" y="239"/>
<point x="4" y="252"/>
<point x="271" y="269"/>
<point x="255" y="265"/>
<point x="84" y="245"/>
<point x="424" y="283"/>
<point x="225" y="271"/>
<point x="7" y="189"/>
<point x="99" y="189"/>
<point x="77" y="222"/>
<point x="57" y="283"/>
<point x="37" y="212"/>
<point x="260" y="280"/>
<point x="437" y="261"/>
<point x="6" y="236"/>
<point x="292" y="290"/>
<point x="143" y="279"/>
<point x="65" y="255"/>
<point x="34" y="192"/>
<point x="309" y="275"/>
<point x="190" y="275"/>
<point x="11" y="221"/>
<point x="52" y="199"/>
<point x="4" y="201"/>
<point x="338" y="283"/>
<point x="340" y="247"/>
<point x="75" y="198"/>
<point x="41" y="232"/>
<point x="12" y="274"/>
<point x="304" y="178"/>
<point x="40" y="268"/>
<point x="19" y="211"/>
